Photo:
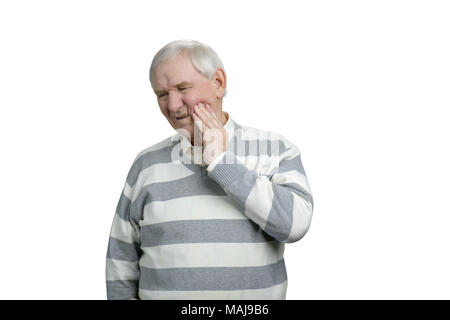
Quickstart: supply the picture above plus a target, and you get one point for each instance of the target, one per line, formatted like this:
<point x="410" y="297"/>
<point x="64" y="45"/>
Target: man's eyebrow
<point x="181" y="84"/>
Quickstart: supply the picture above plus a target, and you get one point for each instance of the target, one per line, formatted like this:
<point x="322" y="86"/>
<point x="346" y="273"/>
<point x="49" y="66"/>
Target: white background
<point x="361" y="87"/>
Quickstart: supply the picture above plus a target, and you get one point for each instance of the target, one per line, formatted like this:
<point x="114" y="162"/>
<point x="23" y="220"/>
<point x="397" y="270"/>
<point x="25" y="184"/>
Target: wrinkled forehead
<point x="173" y="71"/>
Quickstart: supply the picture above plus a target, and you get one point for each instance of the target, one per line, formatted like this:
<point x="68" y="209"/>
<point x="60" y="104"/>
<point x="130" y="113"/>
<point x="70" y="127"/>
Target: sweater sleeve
<point x="123" y="254"/>
<point x="281" y="203"/>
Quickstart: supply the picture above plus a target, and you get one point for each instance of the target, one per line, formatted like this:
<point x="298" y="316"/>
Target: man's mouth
<point x="185" y="116"/>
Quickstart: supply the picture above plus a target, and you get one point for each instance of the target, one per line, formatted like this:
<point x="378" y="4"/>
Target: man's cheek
<point x="191" y="101"/>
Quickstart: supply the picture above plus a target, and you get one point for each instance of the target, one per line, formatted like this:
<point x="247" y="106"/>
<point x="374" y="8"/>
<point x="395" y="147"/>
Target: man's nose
<point x="175" y="101"/>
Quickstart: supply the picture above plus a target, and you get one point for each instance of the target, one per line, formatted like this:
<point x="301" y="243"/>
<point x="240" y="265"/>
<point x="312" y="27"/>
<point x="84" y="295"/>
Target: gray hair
<point x="203" y="57"/>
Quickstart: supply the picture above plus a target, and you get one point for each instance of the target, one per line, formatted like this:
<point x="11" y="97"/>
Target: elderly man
<point x="205" y="213"/>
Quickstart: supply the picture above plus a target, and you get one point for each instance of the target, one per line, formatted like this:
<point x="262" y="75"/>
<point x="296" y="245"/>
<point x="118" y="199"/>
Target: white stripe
<point x="291" y="153"/>
<point x="251" y="147"/>
<point x="191" y="208"/>
<point x="259" y="201"/>
<point x="292" y="176"/>
<point x="123" y="230"/>
<point x="249" y="133"/>
<point x="277" y="292"/>
<point x="121" y="270"/>
<point x="262" y="164"/>
<point x="192" y="255"/>
<point x="128" y="191"/>
<point x="160" y="145"/>
<point x="302" y="216"/>
<point x="160" y="172"/>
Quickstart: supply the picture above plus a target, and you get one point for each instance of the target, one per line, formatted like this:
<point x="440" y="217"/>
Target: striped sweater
<point x="186" y="230"/>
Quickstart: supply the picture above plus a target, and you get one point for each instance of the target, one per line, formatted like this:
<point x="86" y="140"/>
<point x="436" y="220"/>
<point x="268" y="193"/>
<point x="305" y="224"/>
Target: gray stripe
<point x="292" y="164"/>
<point x="241" y="187"/>
<point x="185" y="187"/>
<point x="122" y="290"/>
<point x="123" y="207"/>
<point x="121" y="250"/>
<point x="300" y="191"/>
<point x="279" y="221"/>
<point x="236" y="179"/>
<point x="146" y="160"/>
<point x="225" y="172"/>
<point x="202" y="231"/>
<point x="229" y="278"/>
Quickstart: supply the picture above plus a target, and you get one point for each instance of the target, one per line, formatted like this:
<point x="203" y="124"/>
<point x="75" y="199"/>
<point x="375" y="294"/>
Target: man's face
<point x="179" y="87"/>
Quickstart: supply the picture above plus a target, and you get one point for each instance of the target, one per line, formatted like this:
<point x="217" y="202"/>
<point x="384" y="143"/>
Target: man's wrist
<point x="227" y="169"/>
<point x="212" y="165"/>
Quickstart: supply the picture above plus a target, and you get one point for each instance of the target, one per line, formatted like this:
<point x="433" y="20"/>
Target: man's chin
<point x="185" y="130"/>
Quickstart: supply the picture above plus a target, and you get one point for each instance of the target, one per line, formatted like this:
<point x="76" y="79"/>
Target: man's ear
<point x="220" y="82"/>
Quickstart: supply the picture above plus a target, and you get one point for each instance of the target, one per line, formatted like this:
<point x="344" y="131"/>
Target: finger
<point x="209" y="110"/>
<point x="201" y="112"/>
<point x="213" y="116"/>
<point x="198" y="122"/>
<point x="199" y="127"/>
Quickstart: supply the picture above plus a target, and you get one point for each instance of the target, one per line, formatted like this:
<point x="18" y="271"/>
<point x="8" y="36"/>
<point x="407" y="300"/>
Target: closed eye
<point x="163" y="95"/>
